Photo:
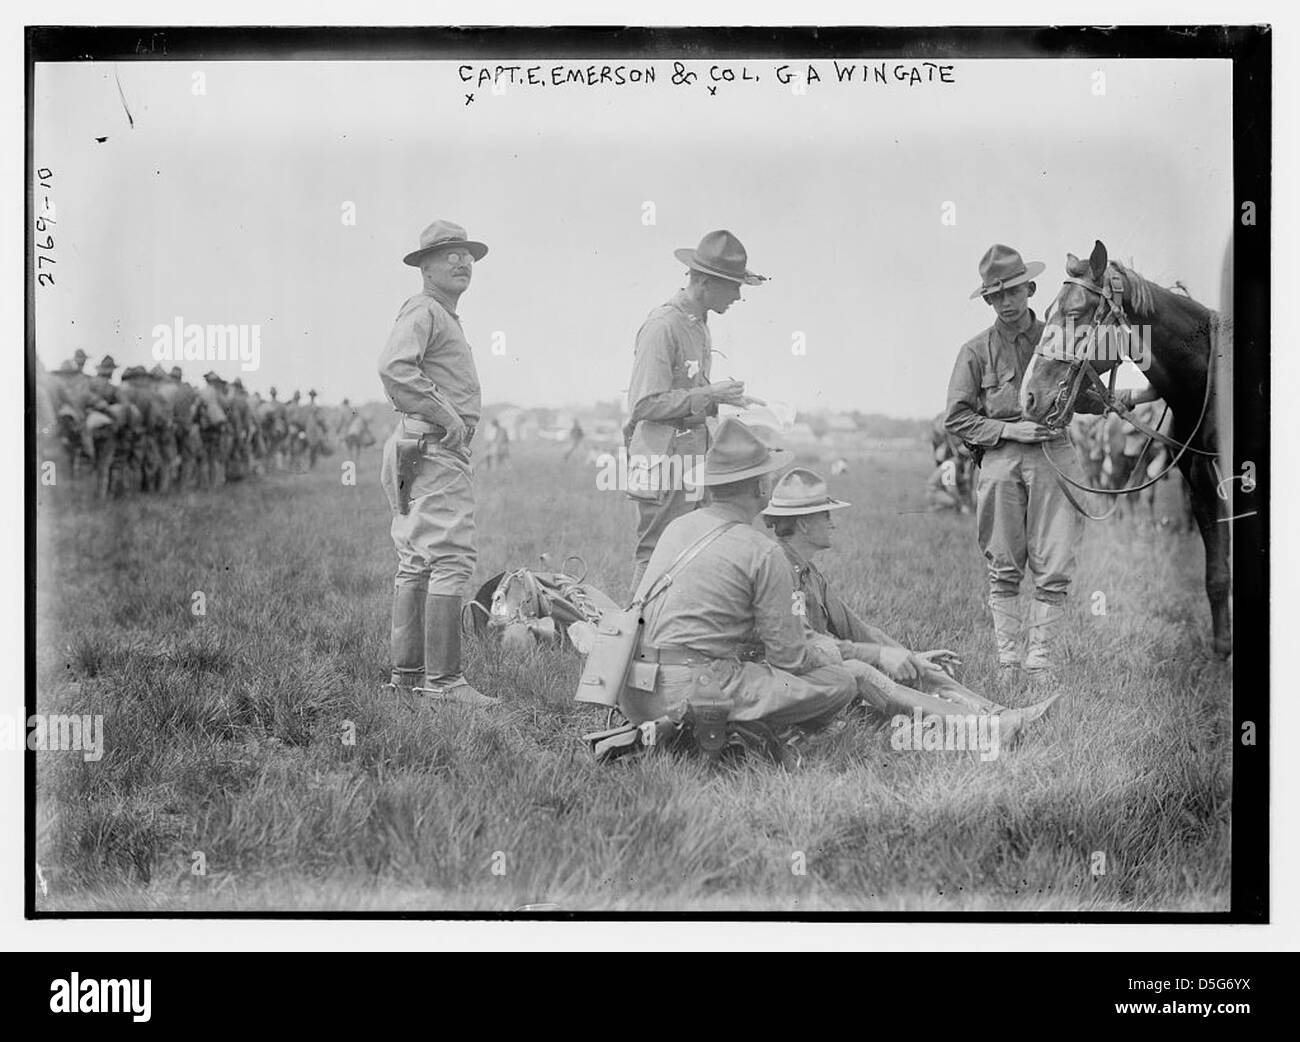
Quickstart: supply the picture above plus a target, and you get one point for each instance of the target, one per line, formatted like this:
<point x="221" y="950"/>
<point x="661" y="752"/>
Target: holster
<point x="707" y="715"/>
<point x="976" y="452"/>
<point x="410" y="457"/>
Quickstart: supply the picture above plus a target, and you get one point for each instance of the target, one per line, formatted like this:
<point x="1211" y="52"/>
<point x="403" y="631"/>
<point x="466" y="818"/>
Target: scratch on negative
<point x="121" y="94"/>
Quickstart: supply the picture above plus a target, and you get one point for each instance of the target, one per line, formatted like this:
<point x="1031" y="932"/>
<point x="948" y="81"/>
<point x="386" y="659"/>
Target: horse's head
<point x="1077" y="336"/>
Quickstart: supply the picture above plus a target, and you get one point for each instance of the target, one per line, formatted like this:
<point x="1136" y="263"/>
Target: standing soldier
<point x="186" y="410"/>
<point x="355" y="432"/>
<point x="165" y="431"/>
<point x="214" y="426"/>
<point x="77" y="418"/>
<point x="294" y="422"/>
<point x="1023" y="517"/>
<point x="670" y="396"/>
<point x="102" y="382"/>
<point x="314" y="425"/>
<point x="275" y="428"/>
<point x="576" y="435"/>
<point x="242" y="427"/>
<point x="109" y="437"/>
<point x="428" y="373"/>
<point x="146" y="408"/>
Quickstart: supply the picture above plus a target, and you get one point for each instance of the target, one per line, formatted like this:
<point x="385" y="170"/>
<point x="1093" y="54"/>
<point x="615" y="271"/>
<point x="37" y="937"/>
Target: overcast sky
<point x="226" y="207"/>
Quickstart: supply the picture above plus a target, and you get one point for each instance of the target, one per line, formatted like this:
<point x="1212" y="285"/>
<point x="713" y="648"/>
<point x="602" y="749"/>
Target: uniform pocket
<point x="441" y="473"/>
<point x="1001" y="395"/>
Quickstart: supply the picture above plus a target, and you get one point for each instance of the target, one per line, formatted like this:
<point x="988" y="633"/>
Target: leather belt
<point x="671" y="656"/>
<point x="419" y="426"/>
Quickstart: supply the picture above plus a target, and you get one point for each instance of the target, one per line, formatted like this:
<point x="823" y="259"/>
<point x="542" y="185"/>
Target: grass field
<point x="227" y="782"/>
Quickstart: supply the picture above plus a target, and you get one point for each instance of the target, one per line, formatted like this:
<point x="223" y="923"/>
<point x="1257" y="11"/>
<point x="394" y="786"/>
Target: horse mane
<point x="1141" y="293"/>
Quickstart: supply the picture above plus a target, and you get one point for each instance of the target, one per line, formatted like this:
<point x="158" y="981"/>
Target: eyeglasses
<point x="458" y="257"/>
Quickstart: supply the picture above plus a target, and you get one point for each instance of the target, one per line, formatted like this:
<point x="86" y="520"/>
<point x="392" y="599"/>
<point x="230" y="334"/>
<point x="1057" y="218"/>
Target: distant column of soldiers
<point x="153" y="432"/>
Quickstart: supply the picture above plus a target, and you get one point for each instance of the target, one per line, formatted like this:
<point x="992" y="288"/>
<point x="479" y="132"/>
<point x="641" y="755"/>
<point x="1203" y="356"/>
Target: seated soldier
<point x="735" y="590"/>
<point x="941" y="491"/>
<point x="893" y="679"/>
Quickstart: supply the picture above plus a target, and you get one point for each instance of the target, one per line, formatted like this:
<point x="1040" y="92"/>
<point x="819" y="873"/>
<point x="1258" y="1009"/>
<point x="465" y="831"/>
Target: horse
<point x="1094" y="304"/>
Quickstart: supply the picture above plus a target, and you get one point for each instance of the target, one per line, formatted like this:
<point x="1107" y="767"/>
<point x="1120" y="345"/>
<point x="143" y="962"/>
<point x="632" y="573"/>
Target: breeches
<point x="435" y="540"/>
<point x="652" y="517"/>
<point x="754" y="691"/>
<point x="1025" y="521"/>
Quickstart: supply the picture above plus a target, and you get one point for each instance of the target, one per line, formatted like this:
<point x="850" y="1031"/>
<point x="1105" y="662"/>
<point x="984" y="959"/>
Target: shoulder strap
<point x="683" y="559"/>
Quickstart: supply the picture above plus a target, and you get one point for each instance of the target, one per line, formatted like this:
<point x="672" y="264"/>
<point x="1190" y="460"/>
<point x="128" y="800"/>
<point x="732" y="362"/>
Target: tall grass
<point x="227" y="734"/>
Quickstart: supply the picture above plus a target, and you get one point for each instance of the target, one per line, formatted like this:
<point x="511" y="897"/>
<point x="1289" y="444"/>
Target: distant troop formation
<point x="153" y="432"/>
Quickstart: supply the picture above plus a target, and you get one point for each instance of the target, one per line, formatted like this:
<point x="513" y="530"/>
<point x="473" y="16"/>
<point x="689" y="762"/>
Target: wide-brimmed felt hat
<point x="174" y="372"/>
<point x="213" y="377"/>
<point x="802" y="491"/>
<point x="134" y="372"/>
<point x="68" y="367"/>
<point x="158" y="372"/>
<point x="720" y="253"/>
<point x="1001" y="267"/>
<point x="106" y="365"/>
<point x="444" y="233"/>
<point x="737" y="453"/>
<point x="79" y="355"/>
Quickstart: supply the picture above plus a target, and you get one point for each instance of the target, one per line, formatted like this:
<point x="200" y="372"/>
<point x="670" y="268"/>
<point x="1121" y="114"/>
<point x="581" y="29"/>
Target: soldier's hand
<point x="940" y="659"/>
<point x="897" y="662"/>
<point x="455" y="436"/>
<point x="1026" y="431"/>
<point x="727" y="392"/>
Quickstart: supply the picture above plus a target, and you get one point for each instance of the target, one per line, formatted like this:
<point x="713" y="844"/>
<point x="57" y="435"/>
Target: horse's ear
<point x="1073" y="266"/>
<point x="1097" y="261"/>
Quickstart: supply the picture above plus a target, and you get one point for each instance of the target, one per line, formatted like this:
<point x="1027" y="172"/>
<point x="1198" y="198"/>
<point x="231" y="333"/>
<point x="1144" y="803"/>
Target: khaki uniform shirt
<point x="674" y="352"/>
<point x="984" y="391"/>
<point x="737" y="591"/>
<point x="427" y="353"/>
<point x="823" y="608"/>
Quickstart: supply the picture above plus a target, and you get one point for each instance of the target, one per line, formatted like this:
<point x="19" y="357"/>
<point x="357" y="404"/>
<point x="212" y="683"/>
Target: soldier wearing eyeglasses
<point x="428" y="373"/>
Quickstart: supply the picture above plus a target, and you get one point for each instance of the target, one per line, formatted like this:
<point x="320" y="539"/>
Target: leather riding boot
<point x="443" y="679"/>
<point x="1006" y="628"/>
<point x="1040" y="662"/>
<point x="886" y="696"/>
<point x="408" y="638"/>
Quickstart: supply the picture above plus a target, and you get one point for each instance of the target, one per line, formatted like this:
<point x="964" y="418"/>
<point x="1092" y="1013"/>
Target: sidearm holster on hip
<point x="410" y="457"/>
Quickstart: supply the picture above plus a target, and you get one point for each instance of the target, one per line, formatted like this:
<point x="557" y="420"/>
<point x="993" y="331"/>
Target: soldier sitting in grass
<point x="892" y="679"/>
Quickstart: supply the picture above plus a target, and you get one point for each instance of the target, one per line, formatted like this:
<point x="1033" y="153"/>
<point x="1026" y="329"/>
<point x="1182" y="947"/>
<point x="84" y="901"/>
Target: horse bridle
<point x="1110" y="304"/>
